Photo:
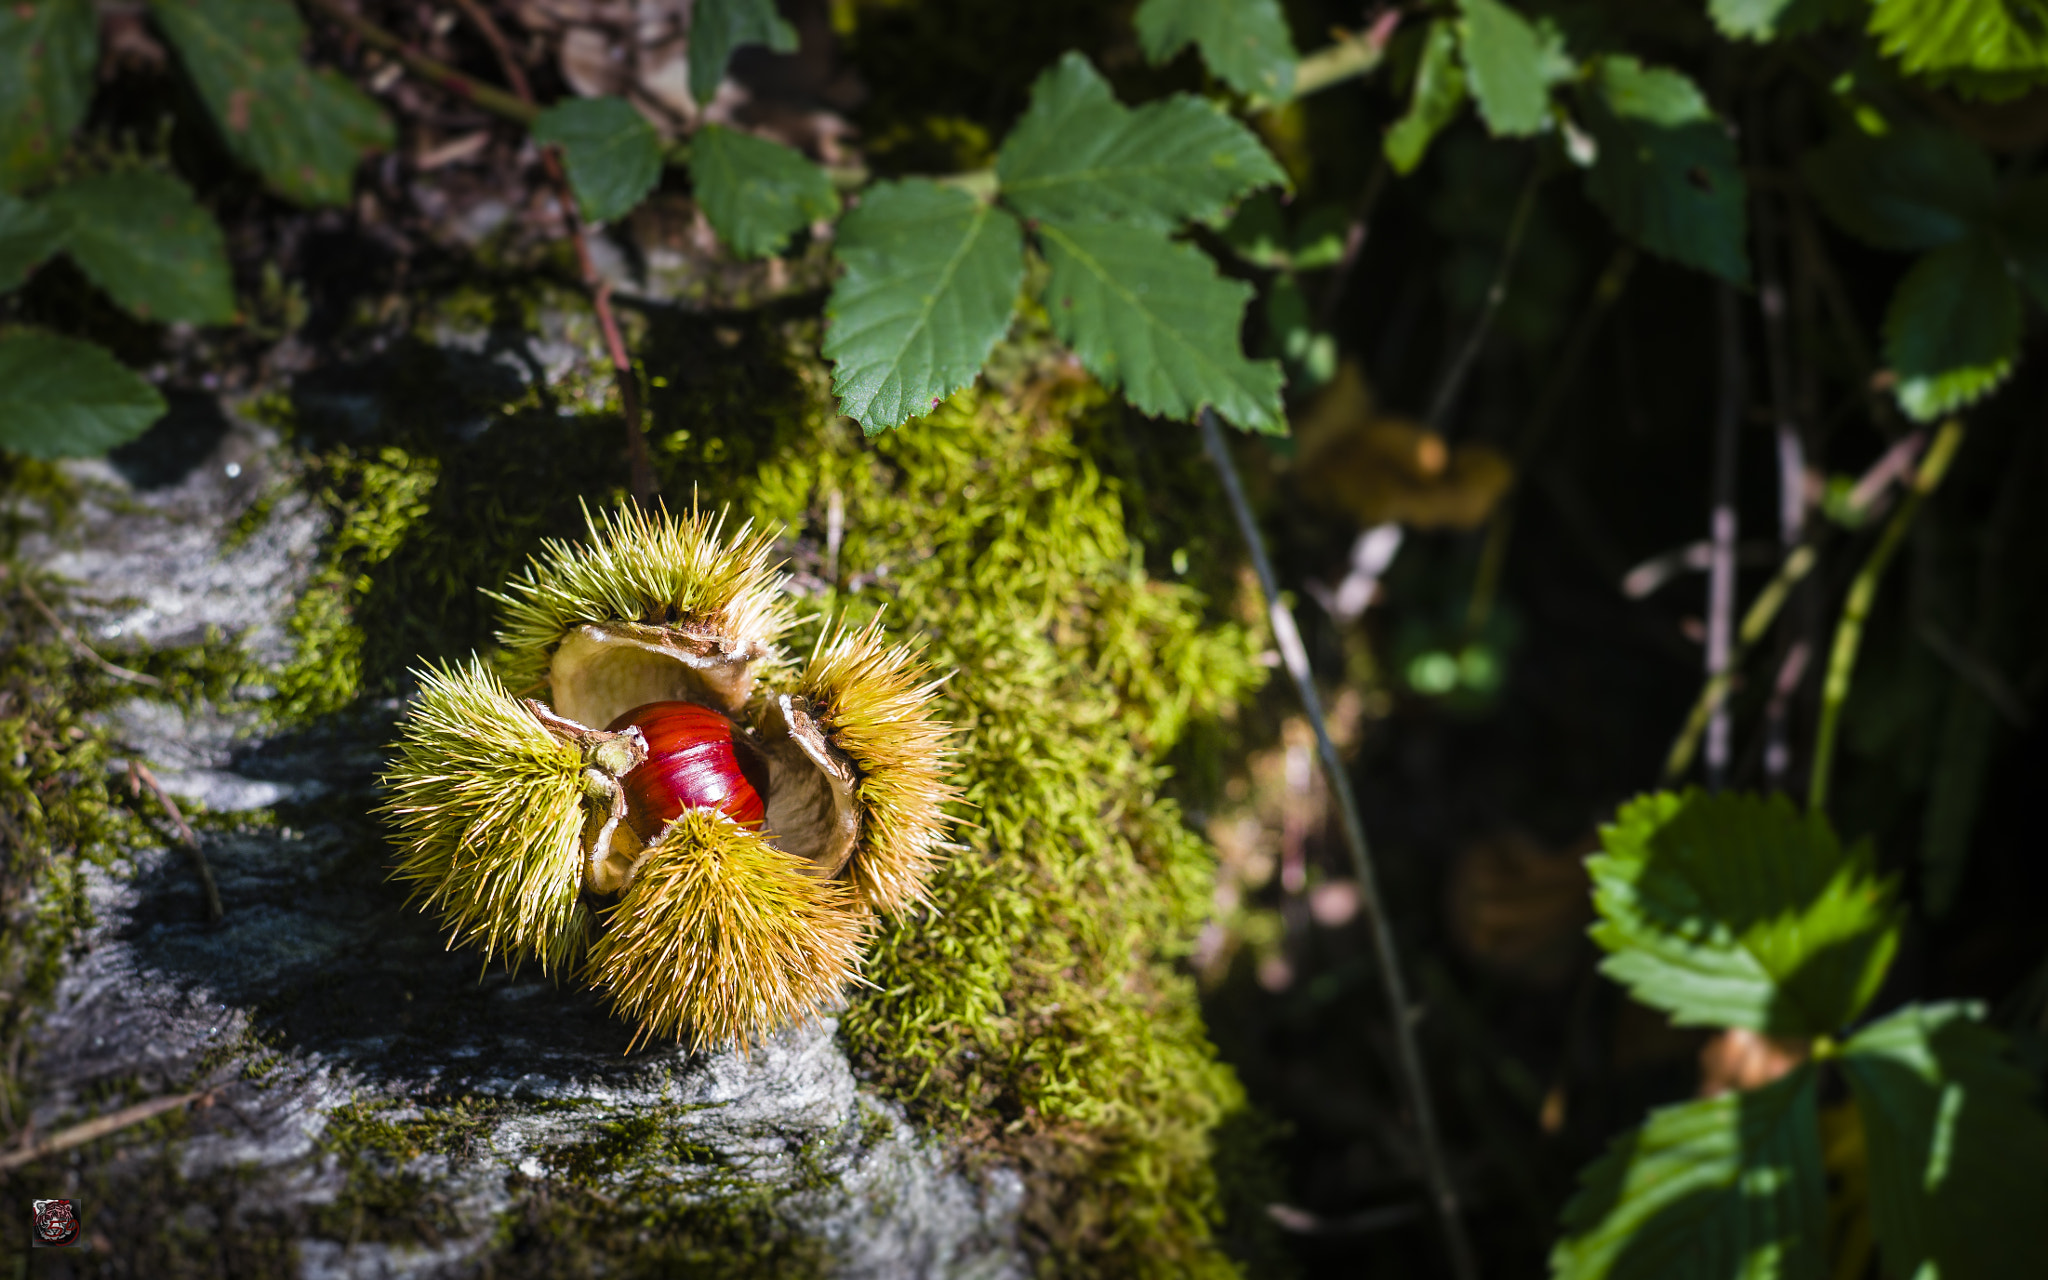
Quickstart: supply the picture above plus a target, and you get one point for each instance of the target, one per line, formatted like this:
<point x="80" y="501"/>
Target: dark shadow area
<point x="174" y="448"/>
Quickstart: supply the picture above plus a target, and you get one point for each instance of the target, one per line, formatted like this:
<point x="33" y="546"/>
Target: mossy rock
<point x="1026" y="1086"/>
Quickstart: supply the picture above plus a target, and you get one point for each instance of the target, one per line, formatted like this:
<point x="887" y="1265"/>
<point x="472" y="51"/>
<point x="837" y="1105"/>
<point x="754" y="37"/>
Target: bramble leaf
<point x="1245" y="42"/>
<point x="1914" y="188"/>
<point x="612" y="154"/>
<point x="931" y="279"/>
<point x="28" y="234"/>
<point x="1438" y="94"/>
<point x="1777" y="19"/>
<point x="47" y="52"/>
<point x="1667" y="174"/>
<point x="1080" y="155"/>
<point x="756" y="193"/>
<point x="1958" y="1149"/>
<point x="1152" y="316"/>
<point x="1720" y="1189"/>
<point x="1994" y="48"/>
<point x="2022" y="222"/>
<point x="1953" y="329"/>
<point x="62" y="398"/>
<point x="717" y="27"/>
<point x="1736" y="911"/>
<point x="143" y="238"/>
<point x="1511" y="64"/>
<point x="303" y="130"/>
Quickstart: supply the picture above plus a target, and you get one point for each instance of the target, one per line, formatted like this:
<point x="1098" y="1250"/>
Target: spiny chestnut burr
<point x="709" y="853"/>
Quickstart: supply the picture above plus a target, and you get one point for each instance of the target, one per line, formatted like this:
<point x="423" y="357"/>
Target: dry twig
<point x="78" y="646"/>
<point x="80" y="1134"/>
<point x="139" y="772"/>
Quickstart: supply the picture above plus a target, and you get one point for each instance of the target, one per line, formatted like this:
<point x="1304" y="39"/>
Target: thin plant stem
<point x="1496" y="293"/>
<point x="1349" y="58"/>
<point x="1607" y="291"/>
<point x="640" y="466"/>
<point x="1354" y="244"/>
<point x="139" y="776"/>
<point x="1714" y="696"/>
<point x="1722" y="529"/>
<point x="1294" y="656"/>
<point x="77" y="645"/>
<point x="1856" y="607"/>
<point x="92" y="1130"/>
<point x="489" y="97"/>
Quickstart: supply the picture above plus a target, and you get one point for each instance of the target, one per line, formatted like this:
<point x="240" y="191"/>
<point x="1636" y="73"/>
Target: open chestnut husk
<point x="708" y="852"/>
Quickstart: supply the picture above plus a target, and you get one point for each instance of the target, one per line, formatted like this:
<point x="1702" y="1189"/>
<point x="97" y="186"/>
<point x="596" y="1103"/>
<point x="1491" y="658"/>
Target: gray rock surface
<point x="321" y="990"/>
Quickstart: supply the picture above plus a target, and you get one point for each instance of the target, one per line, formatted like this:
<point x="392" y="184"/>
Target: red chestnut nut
<point x="696" y="759"/>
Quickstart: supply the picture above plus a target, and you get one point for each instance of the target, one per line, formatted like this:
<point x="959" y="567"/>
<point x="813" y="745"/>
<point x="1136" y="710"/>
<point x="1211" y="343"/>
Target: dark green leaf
<point x="1308" y="353"/>
<point x="1511" y="65"/>
<point x="1777" y="19"/>
<point x="303" y="130"/>
<point x="612" y="154"/>
<point x="1958" y="1151"/>
<point x="2005" y="40"/>
<point x="1080" y="155"/>
<point x="1438" y="94"/>
<point x="47" y="51"/>
<point x="931" y="279"/>
<point x="1245" y="42"/>
<point x="1666" y="173"/>
<point x="1736" y="911"/>
<point x="1728" y="1188"/>
<point x="62" y="398"/>
<point x="1953" y="329"/>
<point x="1914" y="188"/>
<point x="2023" y="228"/>
<point x="149" y="244"/>
<point x="28" y="235"/>
<point x="757" y="193"/>
<point x="1319" y="238"/>
<point x="1152" y="316"/>
<point x="1258" y="232"/>
<point x="717" y="27"/>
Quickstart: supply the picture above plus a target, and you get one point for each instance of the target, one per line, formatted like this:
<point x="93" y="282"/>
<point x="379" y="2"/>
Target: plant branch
<point x="1713" y="697"/>
<point x="1856" y="608"/>
<point x="139" y="772"/>
<point x="72" y="640"/>
<point x="80" y="1134"/>
<point x="1353" y="55"/>
<point x="1722" y="529"/>
<point x="519" y="110"/>
<point x="1354" y="244"/>
<point x="640" y="465"/>
<point x="1443" y="1194"/>
<point x="1461" y="367"/>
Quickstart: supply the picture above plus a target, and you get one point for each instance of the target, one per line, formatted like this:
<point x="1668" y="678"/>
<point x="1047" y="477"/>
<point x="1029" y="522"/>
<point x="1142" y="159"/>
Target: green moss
<point x="1041" y="1013"/>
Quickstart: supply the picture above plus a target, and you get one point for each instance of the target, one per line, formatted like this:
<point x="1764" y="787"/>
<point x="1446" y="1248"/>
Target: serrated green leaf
<point x="1728" y="1188"/>
<point x="1511" y="64"/>
<point x="1958" y="1151"/>
<point x="144" y="239"/>
<point x="717" y="27"/>
<point x="931" y="279"/>
<point x="28" y="234"/>
<point x="47" y="52"/>
<point x="1666" y="174"/>
<point x="1953" y="329"/>
<point x="303" y="130"/>
<point x="1079" y="155"/>
<point x="1245" y="42"/>
<point x="1152" y="316"/>
<point x="756" y="193"/>
<point x="2022" y="222"/>
<point x="613" y="156"/>
<point x="1777" y="19"/>
<point x="1735" y="911"/>
<point x="62" y="398"/>
<point x="1438" y="94"/>
<point x="1914" y="188"/>
<point x="2006" y="40"/>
